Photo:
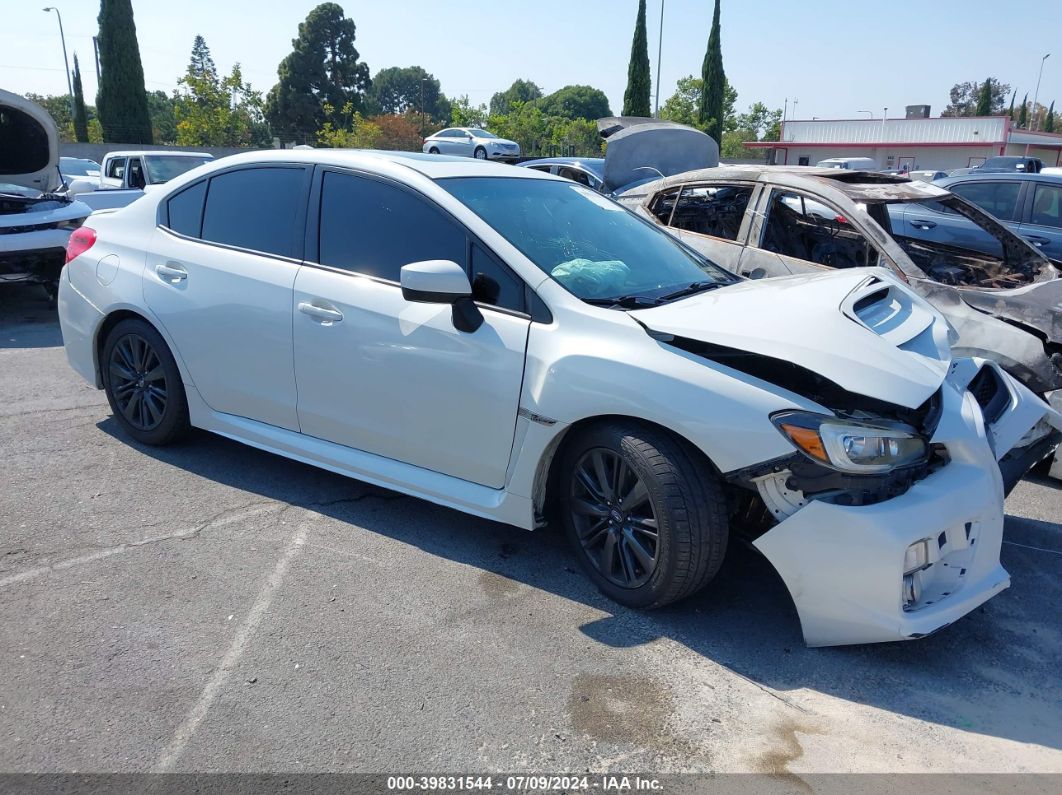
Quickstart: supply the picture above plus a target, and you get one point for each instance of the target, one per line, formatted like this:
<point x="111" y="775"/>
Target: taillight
<point x="81" y="240"/>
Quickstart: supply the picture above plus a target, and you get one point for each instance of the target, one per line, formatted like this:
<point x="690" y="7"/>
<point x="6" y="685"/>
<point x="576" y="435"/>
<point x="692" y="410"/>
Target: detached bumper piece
<point x="39" y="267"/>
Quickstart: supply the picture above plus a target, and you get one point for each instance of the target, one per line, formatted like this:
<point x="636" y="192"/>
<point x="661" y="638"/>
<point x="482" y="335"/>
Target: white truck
<point x="125" y="176"/>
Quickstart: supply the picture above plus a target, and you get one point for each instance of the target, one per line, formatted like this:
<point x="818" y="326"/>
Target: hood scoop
<point x="857" y="331"/>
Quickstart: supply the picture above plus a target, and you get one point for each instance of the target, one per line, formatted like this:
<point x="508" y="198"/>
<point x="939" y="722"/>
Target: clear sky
<point x="836" y="57"/>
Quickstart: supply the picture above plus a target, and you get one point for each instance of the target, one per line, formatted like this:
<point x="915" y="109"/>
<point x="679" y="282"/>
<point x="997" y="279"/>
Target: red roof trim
<point x="798" y="144"/>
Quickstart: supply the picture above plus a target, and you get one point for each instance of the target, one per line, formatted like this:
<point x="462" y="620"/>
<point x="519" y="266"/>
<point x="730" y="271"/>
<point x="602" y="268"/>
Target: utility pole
<point x="62" y="40"/>
<point x="1036" y="94"/>
<point x="659" y="55"/>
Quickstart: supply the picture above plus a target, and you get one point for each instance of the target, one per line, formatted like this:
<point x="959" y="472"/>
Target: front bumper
<point x="844" y="565"/>
<point x="496" y="154"/>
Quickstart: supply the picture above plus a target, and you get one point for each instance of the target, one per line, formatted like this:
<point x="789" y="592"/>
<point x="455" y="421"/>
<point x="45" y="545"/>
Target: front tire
<point x="143" y="383"/>
<point x="646" y="517"/>
<point x="433" y="151"/>
<point x="480" y="153"/>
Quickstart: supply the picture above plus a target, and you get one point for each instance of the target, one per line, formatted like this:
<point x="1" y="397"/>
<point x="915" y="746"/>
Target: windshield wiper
<point x="691" y="289"/>
<point x="625" y="301"/>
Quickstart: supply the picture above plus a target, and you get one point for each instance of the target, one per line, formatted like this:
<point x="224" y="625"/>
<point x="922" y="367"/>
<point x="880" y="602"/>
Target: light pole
<point x="62" y="39"/>
<point x="659" y="54"/>
<point x="1036" y="94"/>
<point x="870" y="114"/>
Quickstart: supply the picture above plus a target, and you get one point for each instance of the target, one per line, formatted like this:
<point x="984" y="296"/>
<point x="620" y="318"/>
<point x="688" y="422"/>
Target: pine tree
<point x="710" y="112"/>
<point x="636" y="97"/>
<point x="80" y="113"/>
<point x="984" y="99"/>
<point x="1049" y="122"/>
<point x="202" y="65"/>
<point x="1023" y="114"/>
<point x="122" y="101"/>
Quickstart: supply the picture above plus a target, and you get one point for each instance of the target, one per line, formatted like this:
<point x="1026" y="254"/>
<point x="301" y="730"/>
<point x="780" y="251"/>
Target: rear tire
<point x="143" y="383"/>
<point x="646" y="517"/>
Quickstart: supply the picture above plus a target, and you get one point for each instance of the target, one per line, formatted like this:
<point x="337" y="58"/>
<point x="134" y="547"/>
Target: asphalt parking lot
<point x="210" y="607"/>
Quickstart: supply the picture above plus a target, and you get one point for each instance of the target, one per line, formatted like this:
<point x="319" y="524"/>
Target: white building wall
<point x="892" y="156"/>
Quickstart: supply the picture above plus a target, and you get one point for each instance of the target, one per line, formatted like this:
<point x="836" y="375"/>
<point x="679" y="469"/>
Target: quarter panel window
<point x="714" y="210"/>
<point x="256" y="208"/>
<point x="374" y="228"/>
<point x="185" y="210"/>
<point x="809" y="230"/>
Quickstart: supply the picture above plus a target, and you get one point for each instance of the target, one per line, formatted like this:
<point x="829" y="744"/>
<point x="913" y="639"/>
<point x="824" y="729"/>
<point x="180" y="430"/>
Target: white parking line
<point x="239" y="515"/>
<point x="247" y="629"/>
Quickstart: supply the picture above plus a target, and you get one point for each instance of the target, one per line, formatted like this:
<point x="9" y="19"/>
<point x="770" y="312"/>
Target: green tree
<point x="710" y="110"/>
<point x="639" y="84"/>
<point x="213" y="111"/>
<point x="357" y="133"/>
<point x="1049" y="121"/>
<point x="984" y="99"/>
<point x="1013" y="96"/>
<point x="576" y="102"/>
<point x="323" y="69"/>
<point x="398" y="90"/>
<point x="520" y="91"/>
<point x="122" y="100"/>
<point x="464" y="114"/>
<point x="202" y="62"/>
<point x="682" y="106"/>
<point x="526" y="124"/>
<point x="163" y="117"/>
<point x="965" y="97"/>
<point x="80" y="113"/>
<point x="1023" y="114"/>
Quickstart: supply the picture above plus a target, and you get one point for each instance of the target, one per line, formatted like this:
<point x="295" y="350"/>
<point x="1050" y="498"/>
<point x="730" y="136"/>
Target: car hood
<point x="860" y="329"/>
<point x="641" y="149"/>
<point x="29" y="144"/>
<point x="1037" y="306"/>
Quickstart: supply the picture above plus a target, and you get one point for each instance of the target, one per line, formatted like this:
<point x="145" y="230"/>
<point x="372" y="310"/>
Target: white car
<point x="36" y="219"/>
<point x="127" y="175"/>
<point x="470" y="142"/>
<point x="519" y="347"/>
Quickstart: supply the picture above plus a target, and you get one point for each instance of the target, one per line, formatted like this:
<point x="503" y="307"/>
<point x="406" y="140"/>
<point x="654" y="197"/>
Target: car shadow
<point x="28" y="318"/>
<point x="994" y="672"/>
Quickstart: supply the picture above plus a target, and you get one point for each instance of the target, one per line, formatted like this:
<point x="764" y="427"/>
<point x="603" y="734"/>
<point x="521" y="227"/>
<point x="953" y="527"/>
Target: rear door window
<point x="663" y="204"/>
<point x="998" y="198"/>
<point x="714" y="210"/>
<point x="806" y="229"/>
<point x="374" y="228"/>
<point x="1047" y="206"/>
<point x="116" y="168"/>
<point x="257" y="209"/>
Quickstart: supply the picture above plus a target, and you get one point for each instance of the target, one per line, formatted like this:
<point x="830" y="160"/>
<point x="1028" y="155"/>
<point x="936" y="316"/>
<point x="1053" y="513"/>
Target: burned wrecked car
<point x="776" y="221"/>
<point x="35" y="221"/>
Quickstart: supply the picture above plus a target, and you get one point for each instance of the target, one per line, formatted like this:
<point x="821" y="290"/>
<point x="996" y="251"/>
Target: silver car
<point x="471" y="142"/>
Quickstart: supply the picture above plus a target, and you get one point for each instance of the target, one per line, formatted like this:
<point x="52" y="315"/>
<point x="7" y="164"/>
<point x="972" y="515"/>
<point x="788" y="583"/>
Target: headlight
<point x="851" y="446"/>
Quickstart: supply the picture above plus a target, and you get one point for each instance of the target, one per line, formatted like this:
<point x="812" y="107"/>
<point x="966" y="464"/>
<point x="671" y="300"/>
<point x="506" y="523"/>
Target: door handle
<point x="171" y="272"/>
<point x="919" y="224"/>
<point x="320" y="313"/>
<point x="1039" y="242"/>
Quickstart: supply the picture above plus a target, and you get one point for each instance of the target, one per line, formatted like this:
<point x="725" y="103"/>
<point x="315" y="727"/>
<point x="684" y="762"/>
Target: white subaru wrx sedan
<point x="516" y="346"/>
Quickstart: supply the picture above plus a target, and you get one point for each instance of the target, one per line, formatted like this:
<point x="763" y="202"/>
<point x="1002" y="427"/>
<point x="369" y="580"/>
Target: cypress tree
<point x="1010" y="112"/>
<point x="122" y="101"/>
<point x="984" y="99"/>
<point x="1023" y="114"/>
<point x="80" y="114"/>
<point x="710" y="112"/>
<point x="1049" y="122"/>
<point x="636" y="97"/>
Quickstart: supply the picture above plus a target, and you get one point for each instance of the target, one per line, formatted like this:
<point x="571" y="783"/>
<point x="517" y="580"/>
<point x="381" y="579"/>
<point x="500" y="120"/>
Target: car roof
<point x="142" y="152"/>
<point x="995" y="175"/>
<point x="431" y="166"/>
<point x="860" y="186"/>
<point x="595" y="164"/>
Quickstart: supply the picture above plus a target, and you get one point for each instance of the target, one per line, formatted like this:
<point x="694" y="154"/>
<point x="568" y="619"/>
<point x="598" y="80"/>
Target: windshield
<point x="956" y="242"/>
<point x="79" y="168"/>
<point x="482" y="133"/>
<point x="163" y="168"/>
<point x="591" y="245"/>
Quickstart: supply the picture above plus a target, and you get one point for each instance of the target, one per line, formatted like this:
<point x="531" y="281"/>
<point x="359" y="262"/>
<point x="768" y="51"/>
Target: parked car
<point x="35" y="219"/>
<point x="516" y="346"/>
<point x="471" y="142"/>
<point x="1024" y="165"/>
<point x="849" y="163"/>
<point x="927" y="175"/>
<point x="767" y="221"/>
<point x="83" y="168"/>
<point x="126" y="176"/>
<point x="589" y="171"/>
<point x="1028" y="204"/>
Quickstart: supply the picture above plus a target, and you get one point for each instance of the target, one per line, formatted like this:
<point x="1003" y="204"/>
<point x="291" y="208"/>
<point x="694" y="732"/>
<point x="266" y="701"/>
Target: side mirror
<point x="441" y="281"/>
<point x="757" y="273"/>
<point x="77" y="186"/>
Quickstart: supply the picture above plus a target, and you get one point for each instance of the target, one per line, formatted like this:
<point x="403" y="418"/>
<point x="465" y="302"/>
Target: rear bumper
<point x="79" y="321"/>
<point x="844" y="565"/>
<point x="41" y="265"/>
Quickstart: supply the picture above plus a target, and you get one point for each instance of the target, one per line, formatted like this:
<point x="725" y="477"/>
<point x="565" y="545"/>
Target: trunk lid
<point x="29" y="144"/>
<point x="859" y="328"/>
